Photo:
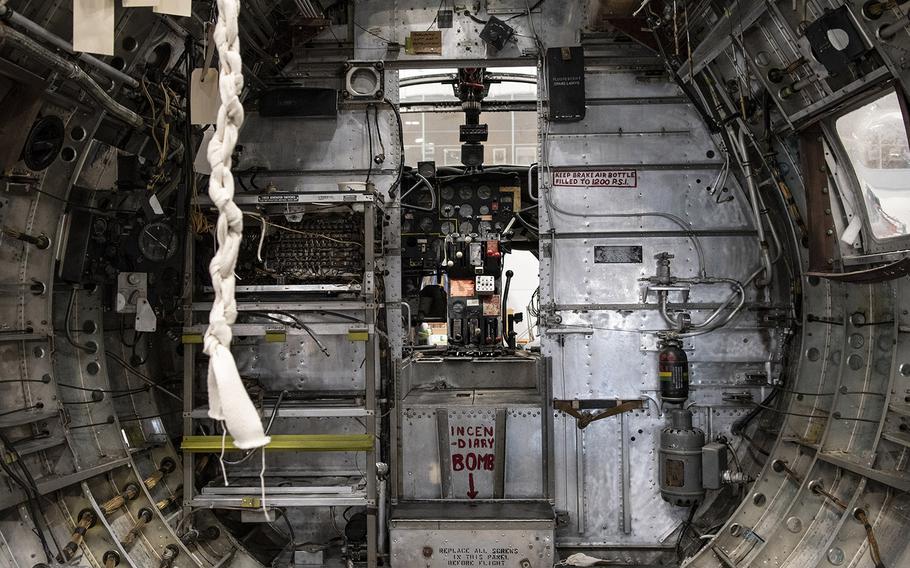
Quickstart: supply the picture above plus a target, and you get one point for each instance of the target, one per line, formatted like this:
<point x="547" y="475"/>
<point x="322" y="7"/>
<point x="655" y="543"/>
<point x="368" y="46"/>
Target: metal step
<point x="286" y="442"/>
<point x="286" y="411"/>
<point x="294" y="492"/>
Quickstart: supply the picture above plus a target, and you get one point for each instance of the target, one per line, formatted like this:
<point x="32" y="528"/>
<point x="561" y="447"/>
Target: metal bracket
<point x="609" y="408"/>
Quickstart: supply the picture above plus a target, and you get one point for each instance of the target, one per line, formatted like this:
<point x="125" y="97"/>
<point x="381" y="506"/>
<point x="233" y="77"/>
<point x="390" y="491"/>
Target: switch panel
<point x="485" y="285"/>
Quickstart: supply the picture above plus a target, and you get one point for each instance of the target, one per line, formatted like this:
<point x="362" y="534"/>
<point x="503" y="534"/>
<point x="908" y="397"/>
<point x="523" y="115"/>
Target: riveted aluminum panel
<point x="604" y="346"/>
<point x="473" y="535"/>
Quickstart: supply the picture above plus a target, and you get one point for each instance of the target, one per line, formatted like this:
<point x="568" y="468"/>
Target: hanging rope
<point x="228" y="400"/>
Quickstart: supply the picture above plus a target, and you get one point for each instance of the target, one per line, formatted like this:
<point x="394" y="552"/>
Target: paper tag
<point x="201" y="163"/>
<point x="174" y="7"/>
<point x="93" y="26"/>
<point x="155" y="205"/>
<point x="205" y="98"/>
<point x="140" y="3"/>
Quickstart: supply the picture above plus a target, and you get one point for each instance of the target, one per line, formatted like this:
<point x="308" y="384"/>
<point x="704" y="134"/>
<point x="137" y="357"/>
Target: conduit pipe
<point x="7" y="14"/>
<point x="72" y="71"/>
<point x="756" y="209"/>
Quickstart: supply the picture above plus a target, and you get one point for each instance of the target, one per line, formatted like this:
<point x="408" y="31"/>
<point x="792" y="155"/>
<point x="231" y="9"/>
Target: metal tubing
<point x="887" y="32"/>
<point x="13" y="17"/>
<point x="70" y="70"/>
<point x="756" y="209"/>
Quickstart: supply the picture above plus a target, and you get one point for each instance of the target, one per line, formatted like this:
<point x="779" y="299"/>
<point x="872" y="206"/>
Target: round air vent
<point x="44" y="143"/>
<point x="363" y="81"/>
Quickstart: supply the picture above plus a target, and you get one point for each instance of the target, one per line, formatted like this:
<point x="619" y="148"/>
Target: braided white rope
<point x="228" y="400"/>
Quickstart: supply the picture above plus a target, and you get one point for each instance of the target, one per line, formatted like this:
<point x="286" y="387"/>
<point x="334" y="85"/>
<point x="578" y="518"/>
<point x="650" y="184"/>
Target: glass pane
<point x="875" y="137"/>
<point x="435" y="135"/>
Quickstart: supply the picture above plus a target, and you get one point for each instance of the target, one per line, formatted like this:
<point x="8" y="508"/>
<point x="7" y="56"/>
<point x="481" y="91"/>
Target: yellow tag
<point x="358" y="335"/>
<point x="276" y="336"/>
<point x="252" y="502"/>
<point x="191" y="338"/>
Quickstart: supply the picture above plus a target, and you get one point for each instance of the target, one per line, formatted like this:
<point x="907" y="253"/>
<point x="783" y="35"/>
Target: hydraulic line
<point x="7" y="14"/>
<point x="668" y="216"/>
<point x="756" y="207"/>
<point x="72" y="71"/>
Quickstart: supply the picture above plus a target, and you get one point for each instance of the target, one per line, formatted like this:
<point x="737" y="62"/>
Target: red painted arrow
<point x="471" y="492"/>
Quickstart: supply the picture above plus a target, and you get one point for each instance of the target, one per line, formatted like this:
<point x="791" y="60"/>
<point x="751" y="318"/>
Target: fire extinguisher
<point x="673" y="370"/>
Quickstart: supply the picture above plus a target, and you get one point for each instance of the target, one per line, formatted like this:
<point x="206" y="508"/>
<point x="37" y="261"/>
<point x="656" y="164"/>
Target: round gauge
<point x="484" y="192"/>
<point x="447" y="192"/>
<point x="426" y="224"/>
<point x="466" y="228"/>
<point x="457" y="308"/>
<point x="447" y="210"/>
<point x="484" y="210"/>
<point x="466" y="210"/>
<point x="465" y="192"/>
<point x="447" y="228"/>
<point x="158" y="241"/>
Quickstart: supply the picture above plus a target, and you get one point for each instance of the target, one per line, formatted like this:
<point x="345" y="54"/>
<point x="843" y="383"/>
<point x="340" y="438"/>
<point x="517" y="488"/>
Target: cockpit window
<point x="432" y="116"/>
<point x="875" y="138"/>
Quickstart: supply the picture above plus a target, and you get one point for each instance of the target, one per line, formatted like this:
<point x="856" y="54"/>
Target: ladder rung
<point x="287" y="442"/>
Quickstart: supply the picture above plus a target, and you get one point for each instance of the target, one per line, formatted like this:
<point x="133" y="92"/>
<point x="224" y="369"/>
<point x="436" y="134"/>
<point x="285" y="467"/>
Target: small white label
<point x="156" y="205"/>
<point x="596" y="178"/>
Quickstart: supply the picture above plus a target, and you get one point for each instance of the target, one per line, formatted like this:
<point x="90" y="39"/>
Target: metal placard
<point x="606" y="254"/>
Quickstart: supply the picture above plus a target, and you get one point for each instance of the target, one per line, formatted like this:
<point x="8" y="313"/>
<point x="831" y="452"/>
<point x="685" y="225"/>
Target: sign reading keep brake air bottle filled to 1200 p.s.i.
<point x="595" y="178"/>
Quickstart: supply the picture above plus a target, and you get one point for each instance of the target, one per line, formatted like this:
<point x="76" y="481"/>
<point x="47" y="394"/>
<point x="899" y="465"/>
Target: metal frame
<point x="366" y="412"/>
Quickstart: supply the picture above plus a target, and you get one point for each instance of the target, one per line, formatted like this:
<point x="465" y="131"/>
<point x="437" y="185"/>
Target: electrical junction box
<point x="473" y="535"/>
<point x="485" y="285"/>
<point x="713" y="465"/>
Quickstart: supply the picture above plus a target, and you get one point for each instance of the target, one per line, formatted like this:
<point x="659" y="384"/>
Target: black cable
<point x="66" y="324"/>
<point x="475" y="18"/>
<point x="379" y="133"/>
<point x="685" y="528"/>
<point x="109" y="420"/>
<point x="388" y="41"/>
<point x="295" y="322"/>
<point x="36" y="406"/>
<point x="370" y="136"/>
<point x="436" y="17"/>
<point x="32" y="495"/>
<point x="341" y="315"/>
<point x="394" y="187"/>
<point x="531" y="9"/>
<point x="142" y="376"/>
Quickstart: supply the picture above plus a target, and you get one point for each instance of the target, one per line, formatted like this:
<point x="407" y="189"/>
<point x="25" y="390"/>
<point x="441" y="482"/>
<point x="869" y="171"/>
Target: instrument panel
<point x="470" y="205"/>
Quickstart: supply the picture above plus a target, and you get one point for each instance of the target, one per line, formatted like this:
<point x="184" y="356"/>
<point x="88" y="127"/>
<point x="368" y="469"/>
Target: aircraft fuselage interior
<point x="454" y="283"/>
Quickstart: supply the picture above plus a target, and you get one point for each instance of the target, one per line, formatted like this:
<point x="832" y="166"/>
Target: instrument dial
<point x="158" y="241"/>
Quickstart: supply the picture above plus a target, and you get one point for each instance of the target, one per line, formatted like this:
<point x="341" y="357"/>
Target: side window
<point x="875" y="139"/>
